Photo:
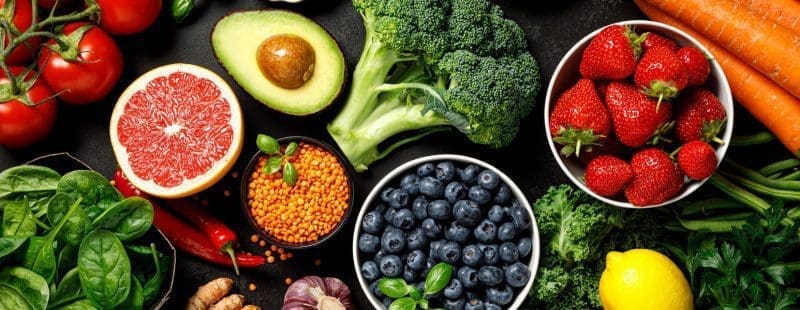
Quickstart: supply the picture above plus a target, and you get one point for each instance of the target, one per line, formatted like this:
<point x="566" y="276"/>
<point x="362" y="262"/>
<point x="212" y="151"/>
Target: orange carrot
<point x="784" y="12"/>
<point x="763" y="44"/>
<point x="773" y="106"/>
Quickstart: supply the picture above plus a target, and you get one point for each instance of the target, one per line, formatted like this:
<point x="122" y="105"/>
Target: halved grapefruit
<point x="176" y="130"/>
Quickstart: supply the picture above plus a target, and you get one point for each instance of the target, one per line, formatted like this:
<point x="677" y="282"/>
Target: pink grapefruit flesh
<point x="176" y="130"/>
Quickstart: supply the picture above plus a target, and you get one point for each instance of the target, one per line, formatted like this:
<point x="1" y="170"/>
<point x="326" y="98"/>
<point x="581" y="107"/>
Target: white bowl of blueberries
<point x="446" y="210"/>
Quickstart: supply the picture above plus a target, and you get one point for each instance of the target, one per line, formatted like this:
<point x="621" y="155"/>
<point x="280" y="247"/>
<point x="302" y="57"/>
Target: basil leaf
<point x="10" y="245"/>
<point x="289" y="174"/>
<point x="36" y="183"/>
<point x="135" y="297"/>
<point x="18" y="220"/>
<point x="291" y="149"/>
<point x="273" y="164"/>
<point x="415" y="293"/>
<point x="31" y="286"/>
<point x="68" y="289"/>
<point x="77" y="226"/>
<point x="268" y="145"/>
<point x="11" y="299"/>
<point x="181" y="9"/>
<point x="437" y="278"/>
<point x="104" y="269"/>
<point x="394" y="288"/>
<point x="97" y="193"/>
<point x="128" y="219"/>
<point x="404" y="303"/>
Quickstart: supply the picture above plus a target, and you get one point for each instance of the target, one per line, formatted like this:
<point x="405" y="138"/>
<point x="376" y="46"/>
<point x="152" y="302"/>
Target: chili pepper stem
<point x="228" y="249"/>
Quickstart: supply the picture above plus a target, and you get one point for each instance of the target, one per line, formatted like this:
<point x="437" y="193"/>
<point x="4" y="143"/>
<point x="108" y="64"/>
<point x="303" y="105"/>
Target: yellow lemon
<point x="643" y="279"/>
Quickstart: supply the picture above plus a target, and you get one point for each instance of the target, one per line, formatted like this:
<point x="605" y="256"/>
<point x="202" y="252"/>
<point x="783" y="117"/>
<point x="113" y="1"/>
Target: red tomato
<point x="123" y="17"/>
<point x="49" y="4"/>
<point x="22" y="21"/>
<point x="89" y="77"/>
<point x="22" y="125"/>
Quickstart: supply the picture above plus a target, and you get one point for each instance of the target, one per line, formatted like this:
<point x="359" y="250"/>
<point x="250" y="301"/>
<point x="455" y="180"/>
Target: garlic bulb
<point x="315" y="293"/>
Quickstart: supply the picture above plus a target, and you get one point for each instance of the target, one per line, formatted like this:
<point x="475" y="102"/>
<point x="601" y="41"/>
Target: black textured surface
<point x="552" y="27"/>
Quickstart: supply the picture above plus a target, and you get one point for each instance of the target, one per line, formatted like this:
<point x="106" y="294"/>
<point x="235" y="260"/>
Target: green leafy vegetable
<point x="11" y="299"/>
<point x="68" y="290"/>
<point x="181" y="9"/>
<point x="289" y="174"/>
<point x="268" y="145"/>
<point x="394" y="288"/>
<point x="76" y="226"/>
<point x="152" y="287"/>
<point x="18" y="220"/>
<point x="104" y="269"/>
<point x="31" y="286"/>
<point x="128" y="219"/>
<point x="96" y="192"/>
<point x="10" y="245"/>
<point x="436" y="280"/>
<point x="135" y="297"/>
<point x="36" y="183"/>
<point x="404" y="303"/>
<point x="40" y="256"/>
<point x="83" y="304"/>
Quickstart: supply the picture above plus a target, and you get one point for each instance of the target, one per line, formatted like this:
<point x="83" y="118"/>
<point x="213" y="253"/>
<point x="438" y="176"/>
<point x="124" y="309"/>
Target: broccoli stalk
<point x="415" y="77"/>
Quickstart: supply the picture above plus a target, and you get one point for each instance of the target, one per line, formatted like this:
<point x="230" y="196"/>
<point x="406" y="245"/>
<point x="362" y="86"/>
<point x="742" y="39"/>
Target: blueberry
<point x="434" y="250"/>
<point x="455" y="304"/>
<point x="393" y="240"/>
<point x="391" y="266"/>
<point x="387" y="301"/>
<point x="491" y="306"/>
<point x="474" y="304"/>
<point x="517" y="275"/>
<point x="471" y="295"/>
<point x="455" y="191"/>
<point x="508" y="252"/>
<point x="503" y="194"/>
<point x="431" y="228"/>
<point x="428" y="265"/>
<point x="467" y="212"/>
<point x="469" y="174"/>
<point x="468" y="277"/>
<point x="372" y="222"/>
<point x="378" y="256"/>
<point x="374" y="288"/>
<point x="490" y="255"/>
<point x="454" y="289"/>
<point x="450" y="252"/>
<point x="490" y="275"/>
<point x="471" y="255"/>
<point x="369" y="243"/>
<point x="506" y="232"/>
<point x="496" y="214"/>
<point x="410" y="184"/>
<point x="479" y="194"/>
<point x="420" y="208"/>
<point x="520" y="218"/>
<point x="416" y="260"/>
<point x="410" y="275"/>
<point x="431" y="187"/>
<point x="403" y="219"/>
<point x="501" y="295"/>
<point x="488" y="179"/>
<point x="381" y="208"/>
<point x="386" y="194"/>
<point x="456" y="232"/>
<point x="524" y="246"/>
<point x="425" y="170"/>
<point x="370" y="270"/>
<point x="398" y="199"/>
<point x="416" y="240"/>
<point x="445" y="171"/>
<point x="486" y="231"/>
<point x="388" y="215"/>
<point x="439" y="209"/>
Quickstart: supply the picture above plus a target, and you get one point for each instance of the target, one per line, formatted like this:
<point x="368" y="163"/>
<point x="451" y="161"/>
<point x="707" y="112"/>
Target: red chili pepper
<point x="221" y="236"/>
<point x="184" y="236"/>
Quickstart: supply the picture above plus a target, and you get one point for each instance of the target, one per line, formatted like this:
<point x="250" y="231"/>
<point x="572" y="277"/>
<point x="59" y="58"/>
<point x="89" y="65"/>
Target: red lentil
<point x="288" y="281"/>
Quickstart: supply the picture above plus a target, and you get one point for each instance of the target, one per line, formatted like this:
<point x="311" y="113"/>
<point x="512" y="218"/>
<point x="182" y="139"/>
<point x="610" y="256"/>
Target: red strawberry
<point x="656" y="178"/>
<point x="633" y="114"/>
<point x="611" y="54"/>
<point x="601" y="86"/>
<point x="700" y="116"/>
<point x="697" y="159"/>
<point x="654" y="39"/>
<point x="696" y="65"/>
<point x="661" y="74"/>
<point x="579" y="118"/>
<point x="607" y="175"/>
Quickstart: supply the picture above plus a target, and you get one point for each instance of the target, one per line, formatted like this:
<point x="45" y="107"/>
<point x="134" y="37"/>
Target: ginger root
<point x="231" y="302"/>
<point x="210" y="293"/>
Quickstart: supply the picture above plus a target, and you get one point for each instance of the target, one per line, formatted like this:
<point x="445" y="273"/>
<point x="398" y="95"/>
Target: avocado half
<point x="236" y="39"/>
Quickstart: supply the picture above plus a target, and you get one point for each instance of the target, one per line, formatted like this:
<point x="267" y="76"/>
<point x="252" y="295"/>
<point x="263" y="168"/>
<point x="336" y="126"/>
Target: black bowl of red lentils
<point x="310" y="212"/>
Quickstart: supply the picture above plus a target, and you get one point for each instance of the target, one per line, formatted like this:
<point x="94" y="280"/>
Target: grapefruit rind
<point x="189" y="186"/>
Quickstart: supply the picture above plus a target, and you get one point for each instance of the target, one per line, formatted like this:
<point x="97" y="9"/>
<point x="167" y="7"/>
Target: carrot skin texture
<point x="784" y="12"/>
<point x="773" y="106"/>
<point x="763" y="44"/>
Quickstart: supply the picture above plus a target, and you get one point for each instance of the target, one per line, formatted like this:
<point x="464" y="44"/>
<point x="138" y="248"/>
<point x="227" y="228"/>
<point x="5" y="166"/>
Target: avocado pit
<point x="286" y="60"/>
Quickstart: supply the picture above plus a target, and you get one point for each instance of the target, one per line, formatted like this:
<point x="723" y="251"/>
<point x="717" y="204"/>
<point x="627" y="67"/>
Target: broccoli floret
<point x="430" y="65"/>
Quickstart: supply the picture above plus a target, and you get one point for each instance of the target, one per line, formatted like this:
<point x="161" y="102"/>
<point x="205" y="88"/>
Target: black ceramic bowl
<point x="251" y="166"/>
<point x="63" y="163"/>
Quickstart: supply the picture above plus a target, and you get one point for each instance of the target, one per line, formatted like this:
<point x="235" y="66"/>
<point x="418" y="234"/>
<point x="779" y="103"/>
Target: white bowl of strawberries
<point x="637" y="115"/>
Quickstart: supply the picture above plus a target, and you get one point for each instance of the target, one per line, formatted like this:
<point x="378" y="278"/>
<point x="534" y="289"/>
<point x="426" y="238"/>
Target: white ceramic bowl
<point x="567" y="74"/>
<point x="397" y="173"/>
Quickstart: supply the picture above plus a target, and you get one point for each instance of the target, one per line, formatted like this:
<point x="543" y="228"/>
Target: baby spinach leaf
<point x="31" y="286"/>
<point x="104" y="269"/>
<point x="18" y="220"/>
<point x="128" y="219"/>
<point x="67" y="259"/>
<point x="11" y="299"/>
<point x="135" y="297"/>
<point x="36" y="183"/>
<point x="83" y="304"/>
<point x="152" y="288"/>
<point x="9" y="245"/>
<point x="77" y="226"/>
<point x="40" y="254"/>
<point x="68" y="289"/>
<point x="97" y="193"/>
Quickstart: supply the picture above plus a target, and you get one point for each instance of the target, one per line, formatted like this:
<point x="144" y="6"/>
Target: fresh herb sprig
<point x="268" y="145"/>
<point x="408" y="297"/>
